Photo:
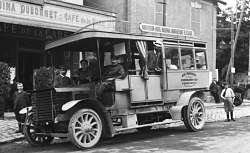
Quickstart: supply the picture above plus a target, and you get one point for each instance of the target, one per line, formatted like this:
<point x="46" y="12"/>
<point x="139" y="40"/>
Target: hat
<point x="19" y="85"/>
<point x="157" y="43"/>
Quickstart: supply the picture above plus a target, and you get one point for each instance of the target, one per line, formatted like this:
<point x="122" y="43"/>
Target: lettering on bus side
<point x="189" y="79"/>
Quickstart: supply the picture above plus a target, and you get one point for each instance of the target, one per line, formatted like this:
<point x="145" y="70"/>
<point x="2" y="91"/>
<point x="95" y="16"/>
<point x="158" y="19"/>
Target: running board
<point x="167" y="121"/>
<point x="60" y="135"/>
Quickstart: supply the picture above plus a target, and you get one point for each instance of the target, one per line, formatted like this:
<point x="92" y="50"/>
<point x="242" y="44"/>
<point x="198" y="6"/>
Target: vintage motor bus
<point x="164" y="80"/>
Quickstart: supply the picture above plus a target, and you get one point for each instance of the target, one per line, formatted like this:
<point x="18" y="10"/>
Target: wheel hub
<point x="195" y="113"/>
<point x="86" y="127"/>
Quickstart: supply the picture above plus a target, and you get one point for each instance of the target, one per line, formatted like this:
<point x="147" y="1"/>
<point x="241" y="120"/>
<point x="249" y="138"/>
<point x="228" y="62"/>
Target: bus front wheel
<point x="85" y="128"/>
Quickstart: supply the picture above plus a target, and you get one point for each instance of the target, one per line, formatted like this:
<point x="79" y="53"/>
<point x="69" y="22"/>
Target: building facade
<point x="26" y="25"/>
<point x="195" y="16"/>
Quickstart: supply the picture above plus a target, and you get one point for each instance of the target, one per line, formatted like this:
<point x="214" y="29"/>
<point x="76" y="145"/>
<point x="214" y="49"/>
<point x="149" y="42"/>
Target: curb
<point x="12" y="140"/>
<point x="217" y="113"/>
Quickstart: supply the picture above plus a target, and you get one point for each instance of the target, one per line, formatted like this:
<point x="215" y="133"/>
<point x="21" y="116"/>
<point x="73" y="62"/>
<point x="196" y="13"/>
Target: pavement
<point x="214" y="112"/>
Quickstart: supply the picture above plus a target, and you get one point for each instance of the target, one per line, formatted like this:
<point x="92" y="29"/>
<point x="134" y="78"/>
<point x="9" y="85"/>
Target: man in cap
<point x="61" y="79"/>
<point x="21" y="101"/>
<point x="111" y="72"/>
<point x="84" y="73"/>
<point x="214" y="89"/>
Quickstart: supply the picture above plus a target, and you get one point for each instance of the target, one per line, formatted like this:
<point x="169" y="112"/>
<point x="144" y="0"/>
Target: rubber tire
<point x="44" y="140"/>
<point x="186" y="117"/>
<point x="238" y="99"/>
<point x="71" y="132"/>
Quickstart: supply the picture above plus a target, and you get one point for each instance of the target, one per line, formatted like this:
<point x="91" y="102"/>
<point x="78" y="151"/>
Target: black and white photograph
<point x="124" y="76"/>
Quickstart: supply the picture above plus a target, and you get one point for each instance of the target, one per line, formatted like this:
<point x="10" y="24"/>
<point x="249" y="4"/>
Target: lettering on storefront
<point x="36" y="32"/>
<point x="189" y="79"/>
<point x="52" y="14"/>
<point x="165" y="30"/>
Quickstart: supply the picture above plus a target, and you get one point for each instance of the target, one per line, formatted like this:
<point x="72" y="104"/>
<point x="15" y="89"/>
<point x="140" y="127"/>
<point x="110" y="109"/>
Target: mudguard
<point x="176" y="111"/>
<point x="70" y="104"/>
<point x="70" y="107"/>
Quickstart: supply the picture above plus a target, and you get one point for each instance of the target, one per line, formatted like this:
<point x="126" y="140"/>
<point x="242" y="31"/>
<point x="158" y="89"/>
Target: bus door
<point x="145" y="82"/>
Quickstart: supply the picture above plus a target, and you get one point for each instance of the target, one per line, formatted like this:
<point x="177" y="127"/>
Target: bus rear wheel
<point x="194" y="115"/>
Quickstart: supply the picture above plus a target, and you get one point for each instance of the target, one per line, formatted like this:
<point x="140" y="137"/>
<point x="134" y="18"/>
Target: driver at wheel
<point x="111" y="72"/>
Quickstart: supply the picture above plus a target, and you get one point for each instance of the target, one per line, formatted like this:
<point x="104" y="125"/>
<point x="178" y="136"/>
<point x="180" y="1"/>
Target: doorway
<point x="28" y="61"/>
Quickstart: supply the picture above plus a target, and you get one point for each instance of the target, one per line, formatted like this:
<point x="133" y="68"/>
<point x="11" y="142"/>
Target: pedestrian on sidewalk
<point x="214" y="89"/>
<point x="228" y="96"/>
<point x="21" y="101"/>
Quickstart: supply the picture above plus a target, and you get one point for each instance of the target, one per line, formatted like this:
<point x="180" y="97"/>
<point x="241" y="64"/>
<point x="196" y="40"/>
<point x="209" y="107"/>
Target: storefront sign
<point x="165" y="30"/>
<point x="53" y="16"/>
<point x="32" y="32"/>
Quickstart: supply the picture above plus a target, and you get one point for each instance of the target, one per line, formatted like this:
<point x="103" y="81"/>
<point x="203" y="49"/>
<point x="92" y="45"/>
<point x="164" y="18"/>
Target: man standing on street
<point x="214" y="89"/>
<point x="21" y="101"/>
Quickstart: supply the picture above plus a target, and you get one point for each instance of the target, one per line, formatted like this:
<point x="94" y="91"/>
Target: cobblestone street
<point x="8" y="126"/>
<point x="214" y="112"/>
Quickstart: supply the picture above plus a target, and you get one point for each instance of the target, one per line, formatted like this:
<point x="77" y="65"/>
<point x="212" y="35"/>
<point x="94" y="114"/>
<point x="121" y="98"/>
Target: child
<point x="228" y="96"/>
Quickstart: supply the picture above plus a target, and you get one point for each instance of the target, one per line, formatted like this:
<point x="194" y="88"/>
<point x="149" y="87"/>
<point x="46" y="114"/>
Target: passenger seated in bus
<point x="200" y="65"/>
<point x="61" y="80"/>
<point x="170" y="65"/>
<point x="93" y="68"/>
<point x="152" y="62"/>
<point x="114" y="71"/>
<point x="111" y="72"/>
<point x="84" y="73"/>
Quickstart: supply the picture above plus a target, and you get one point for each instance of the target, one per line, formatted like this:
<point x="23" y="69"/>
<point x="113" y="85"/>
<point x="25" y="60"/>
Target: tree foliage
<point x="224" y="19"/>
<point x="4" y="79"/>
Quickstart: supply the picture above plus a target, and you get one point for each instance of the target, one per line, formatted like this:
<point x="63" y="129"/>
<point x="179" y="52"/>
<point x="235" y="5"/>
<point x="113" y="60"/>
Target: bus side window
<point x="187" y="58"/>
<point x="172" y="58"/>
<point x="200" y="58"/>
<point x="133" y="59"/>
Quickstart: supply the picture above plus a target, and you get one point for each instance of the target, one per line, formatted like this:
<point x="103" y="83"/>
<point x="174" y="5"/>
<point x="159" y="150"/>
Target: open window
<point x="172" y="58"/>
<point x="187" y="58"/>
<point x="200" y="58"/>
<point x="74" y="61"/>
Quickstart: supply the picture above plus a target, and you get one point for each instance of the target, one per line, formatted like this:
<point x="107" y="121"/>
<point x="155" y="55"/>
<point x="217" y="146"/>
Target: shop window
<point x="200" y="59"/>
<point x="30" y="44"/>
<point x="195" y="20"/>
<point x="187" y="58"/>
<point x="172" y="58"/>
<point x="160" y="13"/>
